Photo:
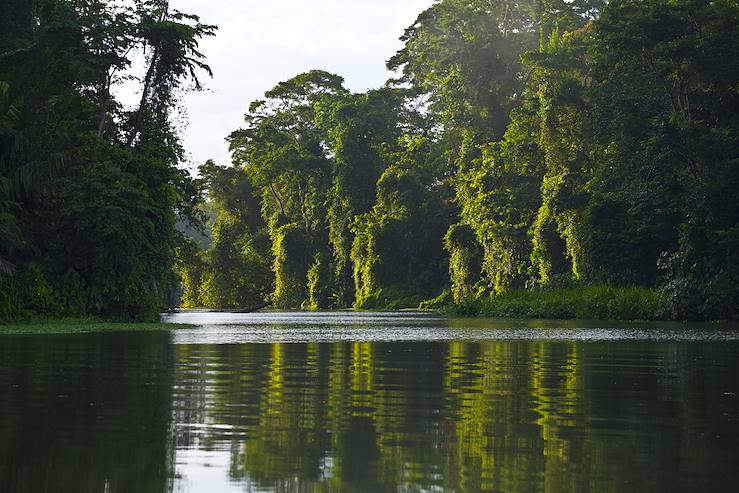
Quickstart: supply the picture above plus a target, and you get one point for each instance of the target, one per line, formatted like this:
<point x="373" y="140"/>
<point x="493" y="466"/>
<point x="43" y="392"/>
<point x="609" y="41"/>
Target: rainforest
<point x="528" y="158"/>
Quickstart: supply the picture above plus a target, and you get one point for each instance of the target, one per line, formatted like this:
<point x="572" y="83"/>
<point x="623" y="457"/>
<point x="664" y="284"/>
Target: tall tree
<point x="95" y="208"/>
<point x="285" y="152"/>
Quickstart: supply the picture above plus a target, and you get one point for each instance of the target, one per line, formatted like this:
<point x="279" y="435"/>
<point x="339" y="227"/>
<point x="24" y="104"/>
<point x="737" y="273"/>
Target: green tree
<point x="94" y="191"/>
<point x="665" y="120"/>
<point x="363" y="131"/>
<point x="284" y="151"/>
<point x="397" y="251"/>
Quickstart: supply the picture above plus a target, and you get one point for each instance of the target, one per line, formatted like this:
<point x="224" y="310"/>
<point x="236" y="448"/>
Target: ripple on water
<point x="372" y="402"/>
<point x="298" y="327"/>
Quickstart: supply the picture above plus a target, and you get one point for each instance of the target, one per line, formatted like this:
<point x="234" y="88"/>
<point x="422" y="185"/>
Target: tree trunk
<point x="139" y="118"/>
<point x="104" y="103"/>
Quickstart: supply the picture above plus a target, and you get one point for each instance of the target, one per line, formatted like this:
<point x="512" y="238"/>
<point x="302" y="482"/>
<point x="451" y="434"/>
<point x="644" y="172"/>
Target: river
<point x="371" y="402"/>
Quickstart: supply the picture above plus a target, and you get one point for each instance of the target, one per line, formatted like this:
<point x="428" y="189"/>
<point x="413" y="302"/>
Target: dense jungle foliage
<point x="90" y="191"/>
<point x="524" y="146"/>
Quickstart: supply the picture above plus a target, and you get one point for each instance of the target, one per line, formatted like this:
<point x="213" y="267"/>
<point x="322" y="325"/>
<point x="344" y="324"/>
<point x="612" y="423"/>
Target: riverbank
<point x="84" y="326"/>
<point x="586" y="303"/>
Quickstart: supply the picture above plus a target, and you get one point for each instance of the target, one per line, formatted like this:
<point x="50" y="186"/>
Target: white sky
<point x="261" y="42"/>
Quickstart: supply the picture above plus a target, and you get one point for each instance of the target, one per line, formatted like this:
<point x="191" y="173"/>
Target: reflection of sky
<point x="262" y="42"/>
<point x="198" y="471"/>
<point x="201" y="471"/>
<point x="130" y="412"/>
<point x="523" y="415"/>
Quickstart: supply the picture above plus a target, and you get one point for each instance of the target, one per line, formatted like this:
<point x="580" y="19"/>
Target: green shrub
<point x="442" y="301"/>
<point x="28" y="294"/>
<point x="591" y="302"/>
<point x="319" y="279"/>
<point x="290" y="248"/>
<point x="465" y="258"/>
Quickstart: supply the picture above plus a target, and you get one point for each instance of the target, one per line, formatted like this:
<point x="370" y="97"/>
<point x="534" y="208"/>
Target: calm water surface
<point x="371" y="403"/>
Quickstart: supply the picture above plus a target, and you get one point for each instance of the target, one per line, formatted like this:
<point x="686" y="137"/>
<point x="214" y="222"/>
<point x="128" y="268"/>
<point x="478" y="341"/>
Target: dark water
<point x="372" y="403"/>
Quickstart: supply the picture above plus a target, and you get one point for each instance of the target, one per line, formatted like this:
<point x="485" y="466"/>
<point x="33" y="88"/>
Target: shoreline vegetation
<point x="586" y="303"/>
<point x="581" y="146"/>
<point x="592" y="303"/>
<point x="528" y="158"/>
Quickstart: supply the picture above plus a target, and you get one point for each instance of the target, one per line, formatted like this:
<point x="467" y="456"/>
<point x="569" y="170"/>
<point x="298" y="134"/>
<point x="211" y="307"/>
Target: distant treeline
<point x="531" y="144"/>
<point x="525" y="146"/>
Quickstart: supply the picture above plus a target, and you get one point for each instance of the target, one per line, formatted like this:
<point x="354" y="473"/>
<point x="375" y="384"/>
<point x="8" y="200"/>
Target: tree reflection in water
<point x="464" y="416"/>
<point x="137" y="413"/>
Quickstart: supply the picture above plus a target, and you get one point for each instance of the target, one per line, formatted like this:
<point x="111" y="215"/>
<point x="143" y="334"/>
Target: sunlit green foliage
<point x="618" y="164"/>
<point x="234" y="270"/>
<point x="363" y="130"/>
<point x="321" y="158"/>
<point x="283" y="150"/>
<point x="398" y="249"/>
<point x="319" y="282"/>
<point x="465" y="256"/>
<point x="558" y="68"/>
<point x="596" y="302"/>
<point x="291" y="253"/>
<point x="570" y="143"/>
<point x="499" y="194"/>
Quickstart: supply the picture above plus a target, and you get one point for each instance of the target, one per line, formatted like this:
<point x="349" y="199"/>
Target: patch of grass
<point x="84" y="326"/>
<point x="585" y="303"/>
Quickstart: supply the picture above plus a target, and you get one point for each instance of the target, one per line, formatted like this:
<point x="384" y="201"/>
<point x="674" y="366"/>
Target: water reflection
<point x="487" y="416"/>
<point x="350" y="416"/>
<point x="86" y="414"/>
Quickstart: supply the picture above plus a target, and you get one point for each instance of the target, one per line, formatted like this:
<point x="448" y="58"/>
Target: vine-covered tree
<point x="527" y="144"/>
<point x="522" y="144"/>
